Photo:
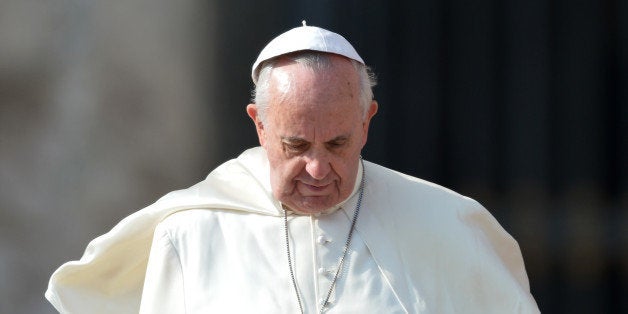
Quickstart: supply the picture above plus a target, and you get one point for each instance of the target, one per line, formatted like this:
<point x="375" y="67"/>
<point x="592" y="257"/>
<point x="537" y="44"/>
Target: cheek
<point x="346" y="165"/>
<point x="343" y="170"/>
<point x="282" y="172"/>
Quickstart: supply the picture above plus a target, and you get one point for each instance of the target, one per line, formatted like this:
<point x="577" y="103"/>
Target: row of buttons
<point x="322" y="271"/>
<point x="322" y="240"/>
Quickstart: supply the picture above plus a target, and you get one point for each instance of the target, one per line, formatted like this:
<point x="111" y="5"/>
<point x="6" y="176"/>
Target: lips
<point x="314" y="189"/>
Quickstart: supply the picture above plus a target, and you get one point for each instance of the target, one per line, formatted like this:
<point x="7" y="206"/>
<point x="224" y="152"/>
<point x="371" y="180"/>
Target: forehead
<point x="319" y="102"/>
<point x="331" y="85"/>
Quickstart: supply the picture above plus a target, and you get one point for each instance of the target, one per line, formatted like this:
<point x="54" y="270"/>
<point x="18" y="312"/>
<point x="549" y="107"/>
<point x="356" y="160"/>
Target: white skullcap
<point x="305" y="38"/>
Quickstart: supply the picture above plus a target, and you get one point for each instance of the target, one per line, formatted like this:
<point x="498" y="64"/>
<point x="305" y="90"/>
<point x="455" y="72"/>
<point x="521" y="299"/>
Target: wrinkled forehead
<point x="307" y="94"/>
<point x="326" y="73"/>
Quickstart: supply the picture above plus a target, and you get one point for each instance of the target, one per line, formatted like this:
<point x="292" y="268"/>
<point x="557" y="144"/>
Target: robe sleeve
<point x="503" y="281"/>
<point x="163" y="286"/>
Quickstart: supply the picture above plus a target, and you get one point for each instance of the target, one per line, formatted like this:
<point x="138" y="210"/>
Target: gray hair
<point x="316" y="61"/>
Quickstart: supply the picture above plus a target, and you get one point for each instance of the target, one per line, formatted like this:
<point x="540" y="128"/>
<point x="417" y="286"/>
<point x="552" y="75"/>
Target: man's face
<point x="314" y="131"/>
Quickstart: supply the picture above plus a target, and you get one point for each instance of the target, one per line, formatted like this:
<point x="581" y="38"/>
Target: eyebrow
<point x="339" y="138"/>
<point x="293" y="139"/>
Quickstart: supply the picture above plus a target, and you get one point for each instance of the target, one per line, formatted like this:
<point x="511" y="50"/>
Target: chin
<point x="312" y="205"/>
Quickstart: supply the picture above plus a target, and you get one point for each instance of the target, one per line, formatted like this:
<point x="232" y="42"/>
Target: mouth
<point x="315" y="189"/>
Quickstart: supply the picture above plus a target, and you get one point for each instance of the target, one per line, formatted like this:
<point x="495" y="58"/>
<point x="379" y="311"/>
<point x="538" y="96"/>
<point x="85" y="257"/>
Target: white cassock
<point x="219" y="246"/>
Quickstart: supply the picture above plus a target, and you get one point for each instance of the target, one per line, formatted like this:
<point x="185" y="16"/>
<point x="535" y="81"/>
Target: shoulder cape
<point x="440" y="251"/>
<point x="110" y="274"/>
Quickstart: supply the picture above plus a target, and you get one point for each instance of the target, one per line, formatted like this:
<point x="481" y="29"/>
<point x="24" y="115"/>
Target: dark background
<point x="522" y="105"/>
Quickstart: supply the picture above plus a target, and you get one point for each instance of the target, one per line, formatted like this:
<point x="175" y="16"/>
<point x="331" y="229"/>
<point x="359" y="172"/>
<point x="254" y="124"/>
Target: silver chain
<point x="342" y="258"/>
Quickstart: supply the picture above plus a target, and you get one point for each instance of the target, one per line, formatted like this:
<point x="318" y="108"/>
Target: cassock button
<point x="322" y="240"/>
<point x="324" y="305"/>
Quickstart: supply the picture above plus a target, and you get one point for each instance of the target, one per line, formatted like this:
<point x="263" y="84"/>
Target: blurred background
<point x="523" y="105"/>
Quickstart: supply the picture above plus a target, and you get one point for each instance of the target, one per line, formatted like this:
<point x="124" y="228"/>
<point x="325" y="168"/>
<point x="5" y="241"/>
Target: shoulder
<point x="188" y="231"/>
<point x="190" y="219"/>
<point x="398" y="179"/>
<point x="407" y="191"/>
<point x="426" y="208"/>
<point x="187" y="225"/>
<point x="426" y="217"/>
<point x="205" y="222"/>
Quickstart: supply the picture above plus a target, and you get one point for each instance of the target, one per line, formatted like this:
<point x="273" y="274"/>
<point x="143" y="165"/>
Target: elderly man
<point x="302" y="224"/>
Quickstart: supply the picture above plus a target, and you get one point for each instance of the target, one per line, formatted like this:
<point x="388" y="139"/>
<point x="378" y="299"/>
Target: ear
<point x="251" y="110"/>
<point x="367" y="120"/>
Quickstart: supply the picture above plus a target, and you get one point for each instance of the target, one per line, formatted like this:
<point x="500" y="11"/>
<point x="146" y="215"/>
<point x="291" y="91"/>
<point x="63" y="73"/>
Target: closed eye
<point x="337" y="143"/>
<point x="295" y="146"/>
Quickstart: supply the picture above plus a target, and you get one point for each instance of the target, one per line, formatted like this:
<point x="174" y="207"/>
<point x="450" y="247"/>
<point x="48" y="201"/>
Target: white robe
<point x="434" y="251"/>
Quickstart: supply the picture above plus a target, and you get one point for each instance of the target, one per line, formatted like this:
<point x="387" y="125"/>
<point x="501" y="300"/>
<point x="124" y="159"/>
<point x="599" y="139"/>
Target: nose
<point x="317" y="166"/>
